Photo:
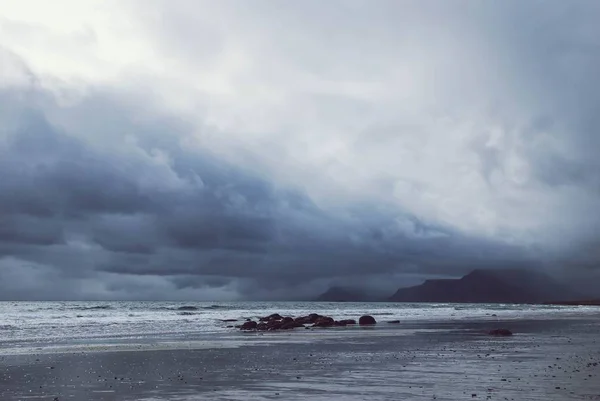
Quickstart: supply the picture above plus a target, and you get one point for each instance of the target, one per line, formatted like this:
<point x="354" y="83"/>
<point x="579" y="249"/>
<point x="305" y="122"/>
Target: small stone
<point x="500" y="332"/>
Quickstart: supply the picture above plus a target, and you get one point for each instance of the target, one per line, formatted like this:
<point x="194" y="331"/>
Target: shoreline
<point x="445" y="360"/>
<point x="236" y="338"/>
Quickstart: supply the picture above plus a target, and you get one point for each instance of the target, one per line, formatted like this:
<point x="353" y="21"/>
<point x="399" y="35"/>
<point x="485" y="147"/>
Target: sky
<point x="263" y="150"/>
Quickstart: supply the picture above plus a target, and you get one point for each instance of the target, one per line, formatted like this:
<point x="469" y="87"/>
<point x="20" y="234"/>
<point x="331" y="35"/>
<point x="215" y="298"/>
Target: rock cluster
<point x="500" y="332"/>
<point x="277" y="322"/>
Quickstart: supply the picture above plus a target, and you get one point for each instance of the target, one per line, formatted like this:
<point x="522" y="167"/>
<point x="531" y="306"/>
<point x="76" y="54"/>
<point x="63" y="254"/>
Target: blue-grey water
<point x="27" y="327"/>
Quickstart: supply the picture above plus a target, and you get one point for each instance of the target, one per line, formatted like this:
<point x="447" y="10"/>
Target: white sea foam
<point x="52" y="325"/>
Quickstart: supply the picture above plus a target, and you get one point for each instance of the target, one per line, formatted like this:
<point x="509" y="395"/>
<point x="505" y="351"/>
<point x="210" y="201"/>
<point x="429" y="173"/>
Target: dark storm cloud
<point x="29" y="230"/>
<point x="51" y="174"/>
<point x="387" y="144"/>
<point x="81" y="211"/>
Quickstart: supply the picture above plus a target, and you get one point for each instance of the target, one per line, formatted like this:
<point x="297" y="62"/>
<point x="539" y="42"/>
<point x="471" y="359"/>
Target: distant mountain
<point x="586" y="282"/>
<point x="585" y="302"/>
<point x="489" y="286"/>
<point x="342" y="294"/>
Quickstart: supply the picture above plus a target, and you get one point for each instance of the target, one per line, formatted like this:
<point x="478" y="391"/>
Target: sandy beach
<point x="544" y="360"/>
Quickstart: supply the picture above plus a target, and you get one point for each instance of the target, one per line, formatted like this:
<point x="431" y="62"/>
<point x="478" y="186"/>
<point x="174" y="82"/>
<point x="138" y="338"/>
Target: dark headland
<point x="516" y="286"/>
<point x="582" y="302"/>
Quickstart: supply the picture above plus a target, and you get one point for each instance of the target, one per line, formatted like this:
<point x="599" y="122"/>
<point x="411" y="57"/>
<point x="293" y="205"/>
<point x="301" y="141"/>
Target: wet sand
<point x="544" y="360"/>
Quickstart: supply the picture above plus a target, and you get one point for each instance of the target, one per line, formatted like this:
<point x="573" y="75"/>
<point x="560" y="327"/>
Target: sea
<point x="38" y="327"/>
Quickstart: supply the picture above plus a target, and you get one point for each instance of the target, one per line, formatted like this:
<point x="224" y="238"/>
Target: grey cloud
<point x="104" y="197"/>
<point x="23" y="229"/>
<point x="52" y="174"/>
<point x="74" y="209"/>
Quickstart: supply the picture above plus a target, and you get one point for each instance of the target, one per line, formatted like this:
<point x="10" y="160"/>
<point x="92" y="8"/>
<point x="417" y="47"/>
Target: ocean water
<point x="27" y="327"/>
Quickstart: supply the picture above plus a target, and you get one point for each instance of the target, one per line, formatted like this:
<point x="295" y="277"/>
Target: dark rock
<point x="310" y="319"/>
<point x="313" y="317"/>
<point x="262" y="326"/>
<point x="249" y="326"/>
<point x="277" y="322"/>
<point x="500" y="332"/>
<point x="303" y="320"/>
<point x="187" y="308"/>
<point x="394" y="321"/>
<point x="228" y="320"/>
<point x="324" y="321"/>
<point x="274" y="325"/>
<point x="291" y="325"/>
<point x="274" y="316"/>
<point x="367" y="320"/>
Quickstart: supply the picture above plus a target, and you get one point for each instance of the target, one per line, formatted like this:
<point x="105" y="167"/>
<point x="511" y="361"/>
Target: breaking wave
<point x="96" y="307"/>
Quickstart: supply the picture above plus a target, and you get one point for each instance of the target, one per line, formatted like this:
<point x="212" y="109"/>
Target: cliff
<point x="489" y="286"/>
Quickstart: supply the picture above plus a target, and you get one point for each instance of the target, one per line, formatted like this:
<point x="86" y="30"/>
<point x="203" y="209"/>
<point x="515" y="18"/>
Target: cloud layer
<point x="228" y="151"/>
